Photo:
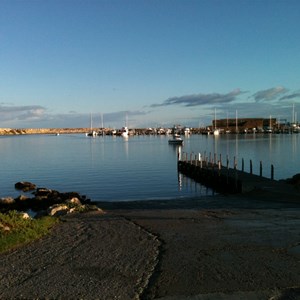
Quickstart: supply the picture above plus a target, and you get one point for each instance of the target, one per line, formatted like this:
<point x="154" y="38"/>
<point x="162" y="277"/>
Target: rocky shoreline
<point x="46" y="201"/>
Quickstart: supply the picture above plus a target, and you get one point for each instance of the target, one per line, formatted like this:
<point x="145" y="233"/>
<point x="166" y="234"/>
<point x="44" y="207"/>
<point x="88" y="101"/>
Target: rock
<point x="58" y="210"/>
<point x="7" y="201"/>
<point x="25" y="215"/>
<point x="25" y="186"/>
<point x="21" y="198"/>
<point x="4" y="228"/>
<point x="70" y="195"/>
<point x="44" y="199"/>
<point x="72" y="210"/>
<point x="43" y="192"/>
<point x="74" y="201"/>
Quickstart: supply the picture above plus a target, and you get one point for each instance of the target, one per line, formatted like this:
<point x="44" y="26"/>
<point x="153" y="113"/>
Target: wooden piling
<point x="260" y="168"/>
<point x="272" y="172"/>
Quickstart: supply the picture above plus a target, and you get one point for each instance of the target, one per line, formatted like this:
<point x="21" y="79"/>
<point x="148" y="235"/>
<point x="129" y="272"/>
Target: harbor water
<point x="110" y="168"/>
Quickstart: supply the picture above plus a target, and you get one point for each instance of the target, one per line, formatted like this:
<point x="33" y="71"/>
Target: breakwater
<point x="20" y="131"/>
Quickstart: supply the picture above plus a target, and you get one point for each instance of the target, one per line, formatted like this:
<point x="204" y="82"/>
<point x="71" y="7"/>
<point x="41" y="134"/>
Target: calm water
<point x="139" y="168"/>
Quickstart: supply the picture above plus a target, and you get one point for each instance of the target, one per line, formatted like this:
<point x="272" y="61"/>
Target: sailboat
<point x="216" y="131"/>
<point x="124" y="130"/>
<point x="227" y="128"/>
<point x="92" y="132"/>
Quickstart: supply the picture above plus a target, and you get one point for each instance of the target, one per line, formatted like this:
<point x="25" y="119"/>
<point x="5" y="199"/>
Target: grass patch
<point x="16" y="231"/>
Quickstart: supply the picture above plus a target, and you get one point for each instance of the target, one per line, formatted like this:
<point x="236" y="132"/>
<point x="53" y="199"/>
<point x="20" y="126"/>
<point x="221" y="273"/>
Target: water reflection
<point x="126" y="145"/>
<point x="294" y="144"/>
<point x="192" y="186"/>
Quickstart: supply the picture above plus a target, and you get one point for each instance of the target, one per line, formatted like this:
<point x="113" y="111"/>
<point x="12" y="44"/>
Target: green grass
<point x="16" y="231"/>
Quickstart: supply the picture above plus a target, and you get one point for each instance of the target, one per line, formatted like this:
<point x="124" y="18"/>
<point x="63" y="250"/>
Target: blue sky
<point x="158" y="62"/>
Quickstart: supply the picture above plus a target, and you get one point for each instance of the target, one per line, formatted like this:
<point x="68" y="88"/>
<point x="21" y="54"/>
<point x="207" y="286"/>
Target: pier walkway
<point x="228" y="180"/>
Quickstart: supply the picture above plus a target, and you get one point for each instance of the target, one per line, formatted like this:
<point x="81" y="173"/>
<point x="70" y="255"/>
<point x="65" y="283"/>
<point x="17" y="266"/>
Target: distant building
<point x="244" y="124"/>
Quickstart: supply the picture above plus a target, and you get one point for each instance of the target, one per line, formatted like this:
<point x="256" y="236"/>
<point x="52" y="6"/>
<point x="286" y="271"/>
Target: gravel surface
<point x="88" y="256"/>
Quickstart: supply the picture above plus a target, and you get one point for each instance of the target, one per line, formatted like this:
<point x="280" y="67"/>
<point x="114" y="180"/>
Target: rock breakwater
<point x="46" y="201"/>
<point x="21" y="131"/>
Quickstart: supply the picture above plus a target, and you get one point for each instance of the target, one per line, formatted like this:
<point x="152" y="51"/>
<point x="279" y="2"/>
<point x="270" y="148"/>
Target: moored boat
<point x="124" y="132"/>
<point x="176" y="140"/>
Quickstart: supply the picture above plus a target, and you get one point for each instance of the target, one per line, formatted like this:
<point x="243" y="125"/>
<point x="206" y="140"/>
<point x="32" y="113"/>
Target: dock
<point x="226" y="180"/>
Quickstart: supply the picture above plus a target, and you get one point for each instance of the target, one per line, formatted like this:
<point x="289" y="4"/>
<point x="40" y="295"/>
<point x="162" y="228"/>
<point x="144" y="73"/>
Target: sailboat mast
<point x="227" y="121"/>
<point x="236" y="121"/>
<point x="293" y="114"/>
<point x="215" y="119"/>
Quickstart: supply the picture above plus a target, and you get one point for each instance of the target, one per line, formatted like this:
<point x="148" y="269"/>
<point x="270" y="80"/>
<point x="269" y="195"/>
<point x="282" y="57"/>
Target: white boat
<point x="216" y="130"/>
<point x="92" y="133"/>
<point x="187" y="131"/>
<point x="124" y="131"/>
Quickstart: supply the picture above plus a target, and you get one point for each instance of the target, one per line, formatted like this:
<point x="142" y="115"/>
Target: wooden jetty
<point x="224" y="179"/>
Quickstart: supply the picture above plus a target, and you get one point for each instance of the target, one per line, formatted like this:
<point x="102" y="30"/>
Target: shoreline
<point x="133" y="131"/>
<point x="32" y="131"/>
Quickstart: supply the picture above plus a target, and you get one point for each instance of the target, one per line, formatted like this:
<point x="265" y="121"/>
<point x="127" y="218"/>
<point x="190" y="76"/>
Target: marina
<point x="141" y="167"/>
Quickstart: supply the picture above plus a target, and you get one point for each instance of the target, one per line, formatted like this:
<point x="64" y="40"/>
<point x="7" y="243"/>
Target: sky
<point x="147" y="63"/>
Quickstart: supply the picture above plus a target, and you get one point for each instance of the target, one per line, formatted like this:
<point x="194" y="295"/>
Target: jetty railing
<point x="209" y="170"/>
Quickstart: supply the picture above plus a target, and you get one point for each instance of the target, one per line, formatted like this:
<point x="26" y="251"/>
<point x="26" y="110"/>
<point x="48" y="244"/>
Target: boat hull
<point x="176" y="142"/>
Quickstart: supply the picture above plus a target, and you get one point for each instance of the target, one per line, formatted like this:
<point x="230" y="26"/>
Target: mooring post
<point x="179" y="153"/>
<point x="242" y="164"/>
<point x="219" y="167"/>
<point x="215" y="158"/>
<point x="200" y="159"/>
<point x="251" y="166"/>
<point x="196" y="160"/>
<point x="260" y="168"/>
<point x="221" y="159"/>
<point x="234" y="162"/>
<point x="272" y="172"/>
<point x="227" y="179"/>
<point x="235" y="175"/>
